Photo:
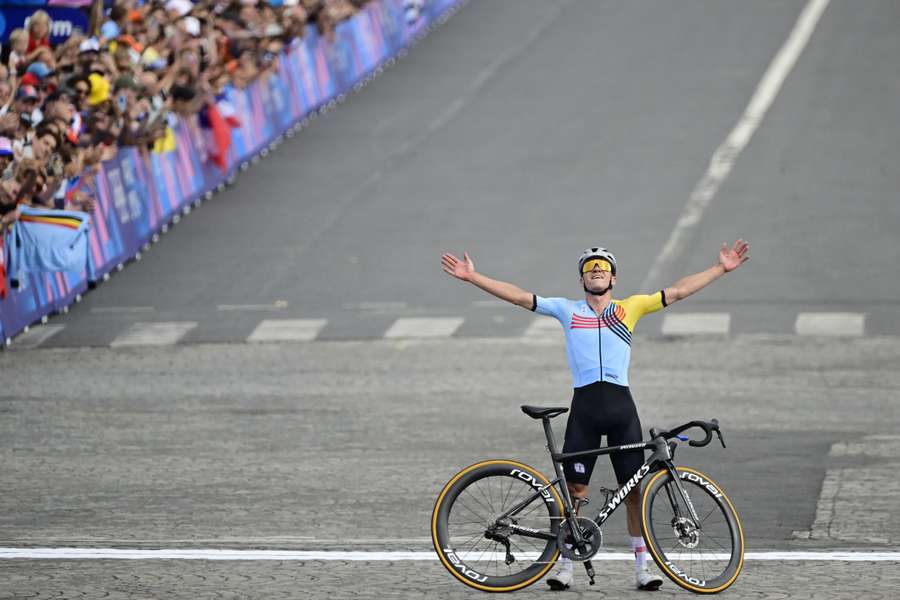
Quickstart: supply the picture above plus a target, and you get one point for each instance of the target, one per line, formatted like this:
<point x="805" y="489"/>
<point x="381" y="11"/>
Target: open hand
<point x="461" y="269"/>
<point x="732" y="258"/>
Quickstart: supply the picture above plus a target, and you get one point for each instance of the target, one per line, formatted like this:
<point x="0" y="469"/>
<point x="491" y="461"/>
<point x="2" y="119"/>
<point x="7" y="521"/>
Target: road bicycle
<point x="500" y="525"/>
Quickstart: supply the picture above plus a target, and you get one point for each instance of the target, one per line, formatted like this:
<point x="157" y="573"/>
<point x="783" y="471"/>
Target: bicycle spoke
<point x="487" y="503"/>
<point x="477" y="516"/>
<point x="520" y="495"/>
<point x="719" y="544"/>
<point x="508" y="490"/>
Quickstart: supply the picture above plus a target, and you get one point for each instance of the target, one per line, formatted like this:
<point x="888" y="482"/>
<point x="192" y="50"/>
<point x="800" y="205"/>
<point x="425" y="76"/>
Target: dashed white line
<point x="36" y="336"/>
<point x="830" y="324"/>
<point x="252" y="307"/>
<point x="697" y="323"/>
<point x="161" y="333"/>
<point x="287" y="330"/>
<point x="123" y="310"/>
<point x="375" y="305"/>
<point x="723" y="159"/>
<point x="543" y="328"/>
<point x="433" y="327"/>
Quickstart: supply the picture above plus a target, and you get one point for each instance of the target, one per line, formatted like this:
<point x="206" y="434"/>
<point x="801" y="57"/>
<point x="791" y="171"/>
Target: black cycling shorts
<point x="600" y="409"/>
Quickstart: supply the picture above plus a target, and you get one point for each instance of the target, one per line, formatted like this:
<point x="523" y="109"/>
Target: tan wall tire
<point x="681" y="557"/>
<point x="493" y="486"/>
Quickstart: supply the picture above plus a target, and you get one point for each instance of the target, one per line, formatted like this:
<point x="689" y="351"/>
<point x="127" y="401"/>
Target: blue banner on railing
<point x="63" y="21"/>
<point x="139" y="191"/>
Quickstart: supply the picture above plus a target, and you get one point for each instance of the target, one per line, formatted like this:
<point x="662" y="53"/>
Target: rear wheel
<point x="704" y="559"/>
<point x="477" y="546"/>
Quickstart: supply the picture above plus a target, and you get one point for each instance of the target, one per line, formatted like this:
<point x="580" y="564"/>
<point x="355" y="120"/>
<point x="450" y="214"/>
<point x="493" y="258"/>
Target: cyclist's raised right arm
<point x="464" y="270"/>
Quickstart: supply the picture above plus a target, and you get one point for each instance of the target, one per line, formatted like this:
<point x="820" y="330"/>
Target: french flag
<point x="217" y="119"/>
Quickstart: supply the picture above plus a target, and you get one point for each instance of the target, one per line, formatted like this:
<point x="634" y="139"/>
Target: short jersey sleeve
<point x="551" y="307"/>
<point x="641" y="304"/>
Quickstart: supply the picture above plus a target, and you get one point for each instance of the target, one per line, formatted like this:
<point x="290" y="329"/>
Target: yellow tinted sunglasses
<point x="589" y="265"/>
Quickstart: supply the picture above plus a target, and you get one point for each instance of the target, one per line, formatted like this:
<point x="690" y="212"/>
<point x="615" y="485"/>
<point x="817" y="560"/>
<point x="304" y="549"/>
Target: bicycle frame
<point x="661" y="455"/>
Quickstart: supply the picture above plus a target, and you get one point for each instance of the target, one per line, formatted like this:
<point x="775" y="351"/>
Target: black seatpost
<point x="548" y="431"/>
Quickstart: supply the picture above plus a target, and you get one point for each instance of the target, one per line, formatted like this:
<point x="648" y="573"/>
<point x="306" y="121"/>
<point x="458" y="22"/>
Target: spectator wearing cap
<point x="42" y="76"/>
<point x="27" y="101"/>
<point x="99" y="89"/>
<point x="39" y="69"/>
<point x="59" y="106"/>
<point x="89" y="46"/>
<point x="178" y="8"/>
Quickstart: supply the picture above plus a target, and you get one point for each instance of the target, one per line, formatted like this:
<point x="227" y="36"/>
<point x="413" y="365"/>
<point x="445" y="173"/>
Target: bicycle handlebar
<point x="707" y="427"/>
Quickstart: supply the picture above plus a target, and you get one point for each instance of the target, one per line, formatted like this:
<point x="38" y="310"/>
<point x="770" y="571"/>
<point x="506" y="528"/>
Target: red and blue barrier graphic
<point x="138" y="191"/>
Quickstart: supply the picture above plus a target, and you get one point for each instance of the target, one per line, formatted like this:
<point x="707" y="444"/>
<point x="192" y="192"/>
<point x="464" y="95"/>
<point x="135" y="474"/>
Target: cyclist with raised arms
<point x="598" y="333"/>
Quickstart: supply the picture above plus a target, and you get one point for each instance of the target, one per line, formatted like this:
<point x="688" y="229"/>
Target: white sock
<point x="640" y="552"/>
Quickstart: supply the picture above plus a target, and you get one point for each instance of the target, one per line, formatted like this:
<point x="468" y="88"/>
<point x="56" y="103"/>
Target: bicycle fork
<point x="676" y="508"/>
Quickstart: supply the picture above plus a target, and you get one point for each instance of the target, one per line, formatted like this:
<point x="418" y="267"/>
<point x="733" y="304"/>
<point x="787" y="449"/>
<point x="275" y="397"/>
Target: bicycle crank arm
<point x="590" y="570"/>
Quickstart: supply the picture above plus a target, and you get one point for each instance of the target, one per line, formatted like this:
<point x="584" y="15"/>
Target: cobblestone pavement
<point x="384" y="580"/>
<point x="286" y="446"/>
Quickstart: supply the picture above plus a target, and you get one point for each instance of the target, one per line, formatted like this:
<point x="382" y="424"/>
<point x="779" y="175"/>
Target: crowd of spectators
<point x="142" y="65"/>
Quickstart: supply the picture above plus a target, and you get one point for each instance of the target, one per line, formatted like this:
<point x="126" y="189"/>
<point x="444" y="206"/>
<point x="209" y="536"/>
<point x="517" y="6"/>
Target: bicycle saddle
<point x="540" y="412"/>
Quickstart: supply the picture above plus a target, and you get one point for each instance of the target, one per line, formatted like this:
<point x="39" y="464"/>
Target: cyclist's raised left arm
<point x="729" y="260"/>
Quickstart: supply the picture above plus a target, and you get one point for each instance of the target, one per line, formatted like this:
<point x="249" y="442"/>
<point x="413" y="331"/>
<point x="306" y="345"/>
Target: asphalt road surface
<point x="289" y="369"/>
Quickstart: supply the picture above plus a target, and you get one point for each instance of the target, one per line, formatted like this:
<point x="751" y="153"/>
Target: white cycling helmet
<point x="597" y="252"/>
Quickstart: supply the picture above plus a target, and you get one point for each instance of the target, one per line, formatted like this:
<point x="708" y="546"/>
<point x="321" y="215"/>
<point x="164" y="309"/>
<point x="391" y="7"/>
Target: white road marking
<point x="723" y="159"/>
<point x="287" y="330"/>
<point x="300" y="555"/>
<point x="696" y="323"/>
<point x="544" y="328"/>
<point x="424" y="327"/>
<point x="375" y="305"/>
<point x="115" y="310"/>
<point x="830" y="323"/>
<point x="36" y="336"/>
<point x="253" y="307"/>
<point x="160" y="333"/>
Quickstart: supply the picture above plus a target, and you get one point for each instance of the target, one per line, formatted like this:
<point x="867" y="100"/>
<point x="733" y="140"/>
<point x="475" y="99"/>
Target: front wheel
<point x="703" y="556"/>
<point x="482" y="540"/>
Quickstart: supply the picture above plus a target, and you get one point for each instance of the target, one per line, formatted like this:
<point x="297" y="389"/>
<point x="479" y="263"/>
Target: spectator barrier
<point x="138" y="193"/>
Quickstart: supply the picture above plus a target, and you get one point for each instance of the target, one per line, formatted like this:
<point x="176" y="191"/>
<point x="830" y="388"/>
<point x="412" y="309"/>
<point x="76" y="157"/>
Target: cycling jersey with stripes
<point x="599" y="347"/>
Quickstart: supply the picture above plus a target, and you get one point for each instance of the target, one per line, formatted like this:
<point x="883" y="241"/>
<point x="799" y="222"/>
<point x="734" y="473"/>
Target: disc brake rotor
<point x="686" y="532"/>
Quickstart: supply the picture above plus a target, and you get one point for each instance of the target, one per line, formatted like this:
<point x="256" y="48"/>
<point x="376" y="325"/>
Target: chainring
<point x="590" y="533"/>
